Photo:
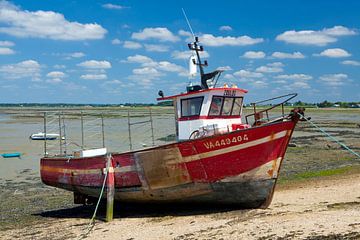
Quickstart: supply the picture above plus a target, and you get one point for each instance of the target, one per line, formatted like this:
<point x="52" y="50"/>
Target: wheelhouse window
<point x="191" y="106"/>
<point x="215" y="107"/>
<point x="225" y="106"/>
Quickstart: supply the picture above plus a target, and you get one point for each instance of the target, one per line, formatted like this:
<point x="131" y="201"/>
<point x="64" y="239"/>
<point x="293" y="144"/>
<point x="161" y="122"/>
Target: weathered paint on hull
<point x="235" y="168"/>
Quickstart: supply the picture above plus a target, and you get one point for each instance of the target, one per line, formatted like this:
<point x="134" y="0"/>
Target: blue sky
<point x="125" y="51"/>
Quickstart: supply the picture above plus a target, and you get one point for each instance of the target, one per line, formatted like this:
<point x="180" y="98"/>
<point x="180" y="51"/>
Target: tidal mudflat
<point x="318" y="196"/>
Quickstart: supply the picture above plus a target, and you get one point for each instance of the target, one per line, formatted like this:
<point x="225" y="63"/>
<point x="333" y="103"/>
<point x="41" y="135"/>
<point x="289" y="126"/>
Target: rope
<point x="92" y="223"/>
<point x="331" y="137"/>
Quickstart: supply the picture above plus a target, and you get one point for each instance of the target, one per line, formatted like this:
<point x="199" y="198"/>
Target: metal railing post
<point x="129" y="126"/>
<point x="60" y="137"/>
<point x="102" y="130"/>
<point x="152" y="127"/>
<point x="82" y="130"/>
<point x="45" y="150"/>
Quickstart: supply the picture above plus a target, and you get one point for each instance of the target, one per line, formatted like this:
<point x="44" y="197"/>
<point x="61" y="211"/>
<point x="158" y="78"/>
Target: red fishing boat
<point x="217" y="157"/>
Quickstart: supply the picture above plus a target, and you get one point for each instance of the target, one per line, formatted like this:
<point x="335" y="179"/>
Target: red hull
<point x="240" y="167"/>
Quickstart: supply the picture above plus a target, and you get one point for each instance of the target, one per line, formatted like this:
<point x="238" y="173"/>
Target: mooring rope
<point x="92" y="220"/>
<point x="331" y="137"/>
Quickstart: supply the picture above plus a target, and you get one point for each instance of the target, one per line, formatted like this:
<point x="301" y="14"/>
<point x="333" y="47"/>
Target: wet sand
<point x="318" y="196"/>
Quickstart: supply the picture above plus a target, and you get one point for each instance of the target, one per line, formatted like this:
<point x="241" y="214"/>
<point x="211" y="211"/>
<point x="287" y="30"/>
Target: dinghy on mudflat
<point x="11" y="155"/>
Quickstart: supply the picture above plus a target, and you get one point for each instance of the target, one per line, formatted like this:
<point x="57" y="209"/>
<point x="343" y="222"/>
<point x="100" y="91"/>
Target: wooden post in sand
<point x="110" y="192"/>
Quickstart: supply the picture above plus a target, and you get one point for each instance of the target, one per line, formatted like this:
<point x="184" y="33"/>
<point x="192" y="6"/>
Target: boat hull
<point x="239" y="167"/>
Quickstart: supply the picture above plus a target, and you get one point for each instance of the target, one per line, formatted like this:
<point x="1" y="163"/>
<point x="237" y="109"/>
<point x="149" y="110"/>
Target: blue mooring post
<point x="110" y="192"/>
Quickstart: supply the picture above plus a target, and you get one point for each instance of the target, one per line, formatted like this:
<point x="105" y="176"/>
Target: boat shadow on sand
<point x="135" y="210"/>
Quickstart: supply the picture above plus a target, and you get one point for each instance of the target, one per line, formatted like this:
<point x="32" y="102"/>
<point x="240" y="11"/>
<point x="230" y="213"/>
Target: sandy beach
<point x="326" y="208"/>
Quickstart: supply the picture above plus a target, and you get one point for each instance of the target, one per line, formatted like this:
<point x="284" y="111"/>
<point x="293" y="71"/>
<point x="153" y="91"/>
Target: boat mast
<point x="197" y="48"/>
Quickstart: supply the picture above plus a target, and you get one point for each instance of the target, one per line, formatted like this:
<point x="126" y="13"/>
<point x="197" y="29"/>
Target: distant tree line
<point x="327" y="104"/>
<point x="324" y="104"/>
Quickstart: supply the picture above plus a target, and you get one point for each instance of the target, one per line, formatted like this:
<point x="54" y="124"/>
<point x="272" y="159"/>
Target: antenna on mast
<point x="187" y="20"/>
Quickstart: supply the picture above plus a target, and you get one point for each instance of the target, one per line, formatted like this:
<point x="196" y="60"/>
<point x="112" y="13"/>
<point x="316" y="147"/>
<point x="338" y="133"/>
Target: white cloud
<point x="55" y="77"/>
<point x="6" y="51"/>
<point x="115" y="41"/>
<point x="138" y="59"/>
<point x="55" y="74"/>
<point x="132" y="45"/>
<point x="77" y="55"/>
<point x="317" y="38"/>
<point x="225" y="28"/>
<point x="6" y="44"/>
<point x="25" y="69"/>
<point x="259" y="84"/>
<point x="188" y="54"/>
<point x="213" y="41"/>
<point x="339" y="31"/>
<point x="161" y="34"/>
<point x="224" y="68"/>
<point x="45" y="24"/>
<point x="58" y="66"/>
<point x="296" y="77"/>
<point x="269" y="69"/>
<point x="282" y="55"/>
<point x="334" y="80"/>
<point x="184" y="33"/>
<point x="93" y="64"/>
<point x="113" y="6"/>
<point x="94" y="76"/>
<point x="169" y="67"/>
<point x="299" y="85"/>
<point x="351" y="62"/>
<point x="248" y="74"/>
<point x="334" y="53"/>
<point x="254" y="55"/>
<point x="275" y="64"/>
<point x="156" y="48"/>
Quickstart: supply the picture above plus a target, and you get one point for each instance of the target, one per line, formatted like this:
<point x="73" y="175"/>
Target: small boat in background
<point x="11" y="155"/>
<point x="43" y="136"/>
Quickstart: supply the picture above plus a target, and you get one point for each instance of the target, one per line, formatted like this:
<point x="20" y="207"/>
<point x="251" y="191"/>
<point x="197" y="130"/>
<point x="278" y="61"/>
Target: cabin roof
<point x="200" y="91"/>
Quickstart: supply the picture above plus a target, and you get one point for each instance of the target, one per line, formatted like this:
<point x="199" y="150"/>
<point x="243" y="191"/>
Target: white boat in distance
<point x="43" y="136"/>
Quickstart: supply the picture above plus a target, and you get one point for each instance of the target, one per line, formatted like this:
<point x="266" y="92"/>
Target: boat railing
<point x="128" y="129"/>
<point x="261" y="115"/>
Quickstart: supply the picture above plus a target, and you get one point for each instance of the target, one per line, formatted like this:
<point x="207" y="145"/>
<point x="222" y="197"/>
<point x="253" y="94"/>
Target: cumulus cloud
<point x="248" y="74"/>
<point x="213" y="41"/>
<point x="225" y="28"/>
<point x="184" y="33"/>
<point x="55" y="77"/>
<point x="115" y="41"/>
<point x="334" y="80"/>
<point x="138" y="59"/>
<point x="317" y="38"/>
<point x="113" y="6"/>
<point x="351" y="62"/>
<point x="6" y="43"/>
<point x="296" y="76"/>
<point x="254" y="55"/>
<point x="55" y="74"/>
<point x="156" y="48"/>
<point x="25" y="69"/>
<point x="224" y="68"/>
<point x="6" y="51"/>
<point x="93" y="76"/>
<point x="282" y="55"/>
<point x="93" y="64"/>
<point x="188" y="54"/>
<point x="132" y="45"/>
<point x="161" y="34"/>
<point x="45" y="24"/>
<point x="270" y="68"/>
<point x="334" y="53"/>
